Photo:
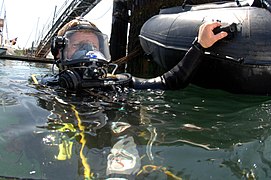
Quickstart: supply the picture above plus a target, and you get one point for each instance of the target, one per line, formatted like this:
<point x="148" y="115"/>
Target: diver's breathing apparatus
<point x="83" y="61"/>
<point x="90" y="73"/>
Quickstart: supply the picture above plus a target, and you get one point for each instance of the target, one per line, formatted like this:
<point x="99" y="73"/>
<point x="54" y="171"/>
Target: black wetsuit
<point x="176" y="78"/>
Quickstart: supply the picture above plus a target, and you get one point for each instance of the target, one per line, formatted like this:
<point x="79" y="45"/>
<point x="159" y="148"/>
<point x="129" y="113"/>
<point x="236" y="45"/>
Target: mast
<point x="2" y="7"/>
<point x="1" y="24"/>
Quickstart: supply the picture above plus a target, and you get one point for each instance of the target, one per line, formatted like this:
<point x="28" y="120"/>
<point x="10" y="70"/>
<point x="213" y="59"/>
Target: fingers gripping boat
<point x="240" y="63"/>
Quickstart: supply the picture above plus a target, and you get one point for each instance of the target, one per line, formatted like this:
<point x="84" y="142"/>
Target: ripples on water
<point x="195" y="133"/>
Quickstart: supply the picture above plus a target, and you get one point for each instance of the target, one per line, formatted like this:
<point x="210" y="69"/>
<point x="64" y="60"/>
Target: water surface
<point x="193" y="133"/>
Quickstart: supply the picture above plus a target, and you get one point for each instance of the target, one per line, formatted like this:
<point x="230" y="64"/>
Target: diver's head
<point x="82" y="54"/>
<point x="77" y="38"/>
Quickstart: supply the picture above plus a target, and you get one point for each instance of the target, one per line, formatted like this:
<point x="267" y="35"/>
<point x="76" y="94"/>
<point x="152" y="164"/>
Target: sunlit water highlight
<point x="193" y="133"/>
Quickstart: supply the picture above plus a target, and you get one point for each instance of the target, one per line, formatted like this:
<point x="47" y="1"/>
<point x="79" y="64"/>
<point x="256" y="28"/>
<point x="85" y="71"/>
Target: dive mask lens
<point x="82" y="50"/>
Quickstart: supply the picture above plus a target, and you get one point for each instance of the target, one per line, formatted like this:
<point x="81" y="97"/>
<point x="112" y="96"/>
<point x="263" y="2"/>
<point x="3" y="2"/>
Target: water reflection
<point x="127" y="139"/>
<point x="104" y="132"/>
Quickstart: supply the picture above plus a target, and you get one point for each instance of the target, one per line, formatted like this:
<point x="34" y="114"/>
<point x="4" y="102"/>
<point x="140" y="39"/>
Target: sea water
<point x="194" y="133"/>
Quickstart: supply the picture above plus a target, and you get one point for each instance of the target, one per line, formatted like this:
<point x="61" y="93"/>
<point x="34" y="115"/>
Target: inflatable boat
<point x="240" y="63"/>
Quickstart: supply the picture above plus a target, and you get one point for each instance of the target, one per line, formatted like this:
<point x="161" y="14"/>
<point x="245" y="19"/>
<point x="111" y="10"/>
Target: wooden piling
<point x="118" y="39"/>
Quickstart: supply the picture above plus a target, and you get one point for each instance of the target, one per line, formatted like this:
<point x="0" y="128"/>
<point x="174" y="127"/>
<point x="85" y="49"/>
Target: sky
<point x="26" y="19"/>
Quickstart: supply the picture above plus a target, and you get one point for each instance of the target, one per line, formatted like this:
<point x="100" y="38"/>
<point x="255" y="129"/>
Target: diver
<point x="81" y="53"/>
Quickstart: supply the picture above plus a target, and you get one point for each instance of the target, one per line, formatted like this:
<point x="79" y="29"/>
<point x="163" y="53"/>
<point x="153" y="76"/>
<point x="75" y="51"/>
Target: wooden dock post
<point x="118" y="39"/>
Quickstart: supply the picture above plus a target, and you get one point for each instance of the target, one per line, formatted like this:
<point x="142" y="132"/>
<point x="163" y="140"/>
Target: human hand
<point x="206" y="36"/>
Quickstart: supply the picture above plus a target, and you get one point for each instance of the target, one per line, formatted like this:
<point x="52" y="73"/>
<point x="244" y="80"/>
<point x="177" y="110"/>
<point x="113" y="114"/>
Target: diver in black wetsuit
<point x="81" y="53"/>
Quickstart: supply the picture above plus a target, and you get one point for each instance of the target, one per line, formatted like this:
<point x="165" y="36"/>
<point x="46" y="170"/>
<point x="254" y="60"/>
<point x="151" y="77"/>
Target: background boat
<point x="7" y="45"/>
